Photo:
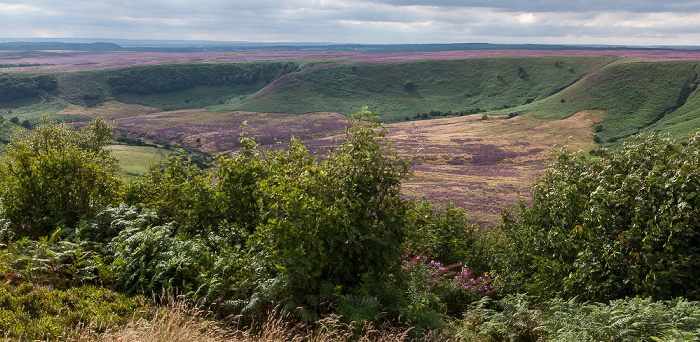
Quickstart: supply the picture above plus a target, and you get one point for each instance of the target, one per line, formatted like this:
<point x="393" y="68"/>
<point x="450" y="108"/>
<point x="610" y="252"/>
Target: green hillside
<point x="409" y="88"/>
<point x="635" y="96"/>
<point x="6" y="128"/>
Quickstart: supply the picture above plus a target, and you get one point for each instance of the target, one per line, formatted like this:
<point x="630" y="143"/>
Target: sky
<point x="605" y="22"/>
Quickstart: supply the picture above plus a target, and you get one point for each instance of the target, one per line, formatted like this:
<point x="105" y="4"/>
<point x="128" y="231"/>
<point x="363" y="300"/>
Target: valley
<point x="478" y="125"/>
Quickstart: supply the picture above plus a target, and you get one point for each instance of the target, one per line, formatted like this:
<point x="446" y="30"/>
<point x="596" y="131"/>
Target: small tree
<point x="55" y="175"/>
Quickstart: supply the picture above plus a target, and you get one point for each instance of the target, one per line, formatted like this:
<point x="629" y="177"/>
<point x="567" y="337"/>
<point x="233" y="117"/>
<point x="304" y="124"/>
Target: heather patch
<point x="80" y="61"/>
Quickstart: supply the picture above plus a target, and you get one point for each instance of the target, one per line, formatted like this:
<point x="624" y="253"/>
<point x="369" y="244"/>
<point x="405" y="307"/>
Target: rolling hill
<point x="479" y="124"/>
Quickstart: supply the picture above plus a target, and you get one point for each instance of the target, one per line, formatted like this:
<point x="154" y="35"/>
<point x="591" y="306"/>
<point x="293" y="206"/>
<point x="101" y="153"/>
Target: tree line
<point x="167" y="78"/>
<point x="19" y="86"/>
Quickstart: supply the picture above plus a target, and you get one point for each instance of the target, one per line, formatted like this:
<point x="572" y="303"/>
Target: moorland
<point x="485" y="194"/>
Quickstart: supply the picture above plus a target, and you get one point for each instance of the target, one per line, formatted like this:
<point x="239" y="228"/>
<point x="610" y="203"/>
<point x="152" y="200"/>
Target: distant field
<point x="137" y="160"/>
<point x="485" y="166"/>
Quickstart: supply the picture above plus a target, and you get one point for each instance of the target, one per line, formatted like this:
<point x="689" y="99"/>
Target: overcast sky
<point x="617" y="22"/>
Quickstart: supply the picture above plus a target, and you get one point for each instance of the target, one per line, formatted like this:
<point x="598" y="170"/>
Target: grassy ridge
<point x="633" y="95"/>
<point x="455" y="85"/>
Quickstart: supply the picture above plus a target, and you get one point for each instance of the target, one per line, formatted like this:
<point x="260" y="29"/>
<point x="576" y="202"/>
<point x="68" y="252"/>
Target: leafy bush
<point x="622" y="224"/>
<point x="316" y="225"/>
<point x="333" y="221"/>
<point x="54" y="175"/>
<point x="178" y="191"/>
<point x="447" y="236"/>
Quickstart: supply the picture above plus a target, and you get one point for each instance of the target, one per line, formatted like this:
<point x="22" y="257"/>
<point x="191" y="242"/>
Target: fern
<point x="354" y="308"/>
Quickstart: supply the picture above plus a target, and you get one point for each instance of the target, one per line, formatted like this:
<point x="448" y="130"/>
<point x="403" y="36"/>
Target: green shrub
<point x="178" y="191"/>
<point x="54" y="175"/>
<point x="446" y="236"/>
<point x="307" y="226"/>
<point x="333" y="221"/>
<point x="622" y="224"/>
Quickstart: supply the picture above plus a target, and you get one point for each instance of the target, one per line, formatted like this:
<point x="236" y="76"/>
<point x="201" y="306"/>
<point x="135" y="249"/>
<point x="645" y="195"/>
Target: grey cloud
<point x="560" y="6"/>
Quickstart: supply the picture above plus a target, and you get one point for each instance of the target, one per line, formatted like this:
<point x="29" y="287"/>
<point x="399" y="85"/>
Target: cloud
<point x="359" y="21"/>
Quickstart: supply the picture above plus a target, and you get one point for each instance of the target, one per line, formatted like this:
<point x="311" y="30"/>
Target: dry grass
<point x="110" y="110"/>
<point x="179" y="322"/>
<point x="485" y="166"/>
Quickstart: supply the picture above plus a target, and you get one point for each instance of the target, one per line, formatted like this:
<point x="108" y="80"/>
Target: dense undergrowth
<point x="289" y="245"/>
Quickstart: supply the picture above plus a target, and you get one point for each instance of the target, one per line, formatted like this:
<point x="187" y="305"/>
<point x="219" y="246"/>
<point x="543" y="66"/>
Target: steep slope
<point x="634" y="95"/>
<point x="400" y="90"/>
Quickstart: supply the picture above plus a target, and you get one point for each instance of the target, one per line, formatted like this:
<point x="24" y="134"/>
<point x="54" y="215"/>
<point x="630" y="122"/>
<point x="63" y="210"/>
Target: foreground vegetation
<point x="289" y="245"/>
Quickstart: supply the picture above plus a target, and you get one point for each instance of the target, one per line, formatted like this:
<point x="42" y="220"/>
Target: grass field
<point x="137" y="160"/>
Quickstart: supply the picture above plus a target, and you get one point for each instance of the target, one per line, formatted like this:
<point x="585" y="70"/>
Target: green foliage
<point x="168" y="78"/>
<point x="508" y="319"/>
<point x="304" y="223"/>
<point x="619" y="225"/>
<point x="55" y="175"/>
<point x="49" y="262"/>
<point x="633" y="319"/>
<point x="155" y="259"/>
<point x="336" y="220"/>
<point x="37" y="312"/>
<point x="178" y="191"/>
<point x="513" y="318"/>
<point x="446" y="236"/>
<point x="18" y="86"/>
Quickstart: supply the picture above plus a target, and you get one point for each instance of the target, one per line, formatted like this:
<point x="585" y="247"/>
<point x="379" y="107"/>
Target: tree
<point x="54" y="175"/>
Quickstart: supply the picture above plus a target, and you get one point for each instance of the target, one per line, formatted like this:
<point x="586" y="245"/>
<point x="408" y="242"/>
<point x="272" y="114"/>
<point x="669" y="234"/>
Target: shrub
<point x="446" y="236"/>
<point x="328" y="223"/>
<point x="622" y="224"/>
<point x="55" y="175"/>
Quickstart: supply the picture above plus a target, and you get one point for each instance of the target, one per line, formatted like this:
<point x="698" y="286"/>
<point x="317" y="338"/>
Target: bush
<point x="326" y="224"/>
<point x="55" y="175"/>
<point x="623" y="224"/>
<point x="446" y="236"/>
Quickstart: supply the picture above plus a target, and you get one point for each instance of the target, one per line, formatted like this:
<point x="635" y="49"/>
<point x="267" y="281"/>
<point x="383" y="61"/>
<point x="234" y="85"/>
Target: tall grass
<point x="178" y="321"/>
